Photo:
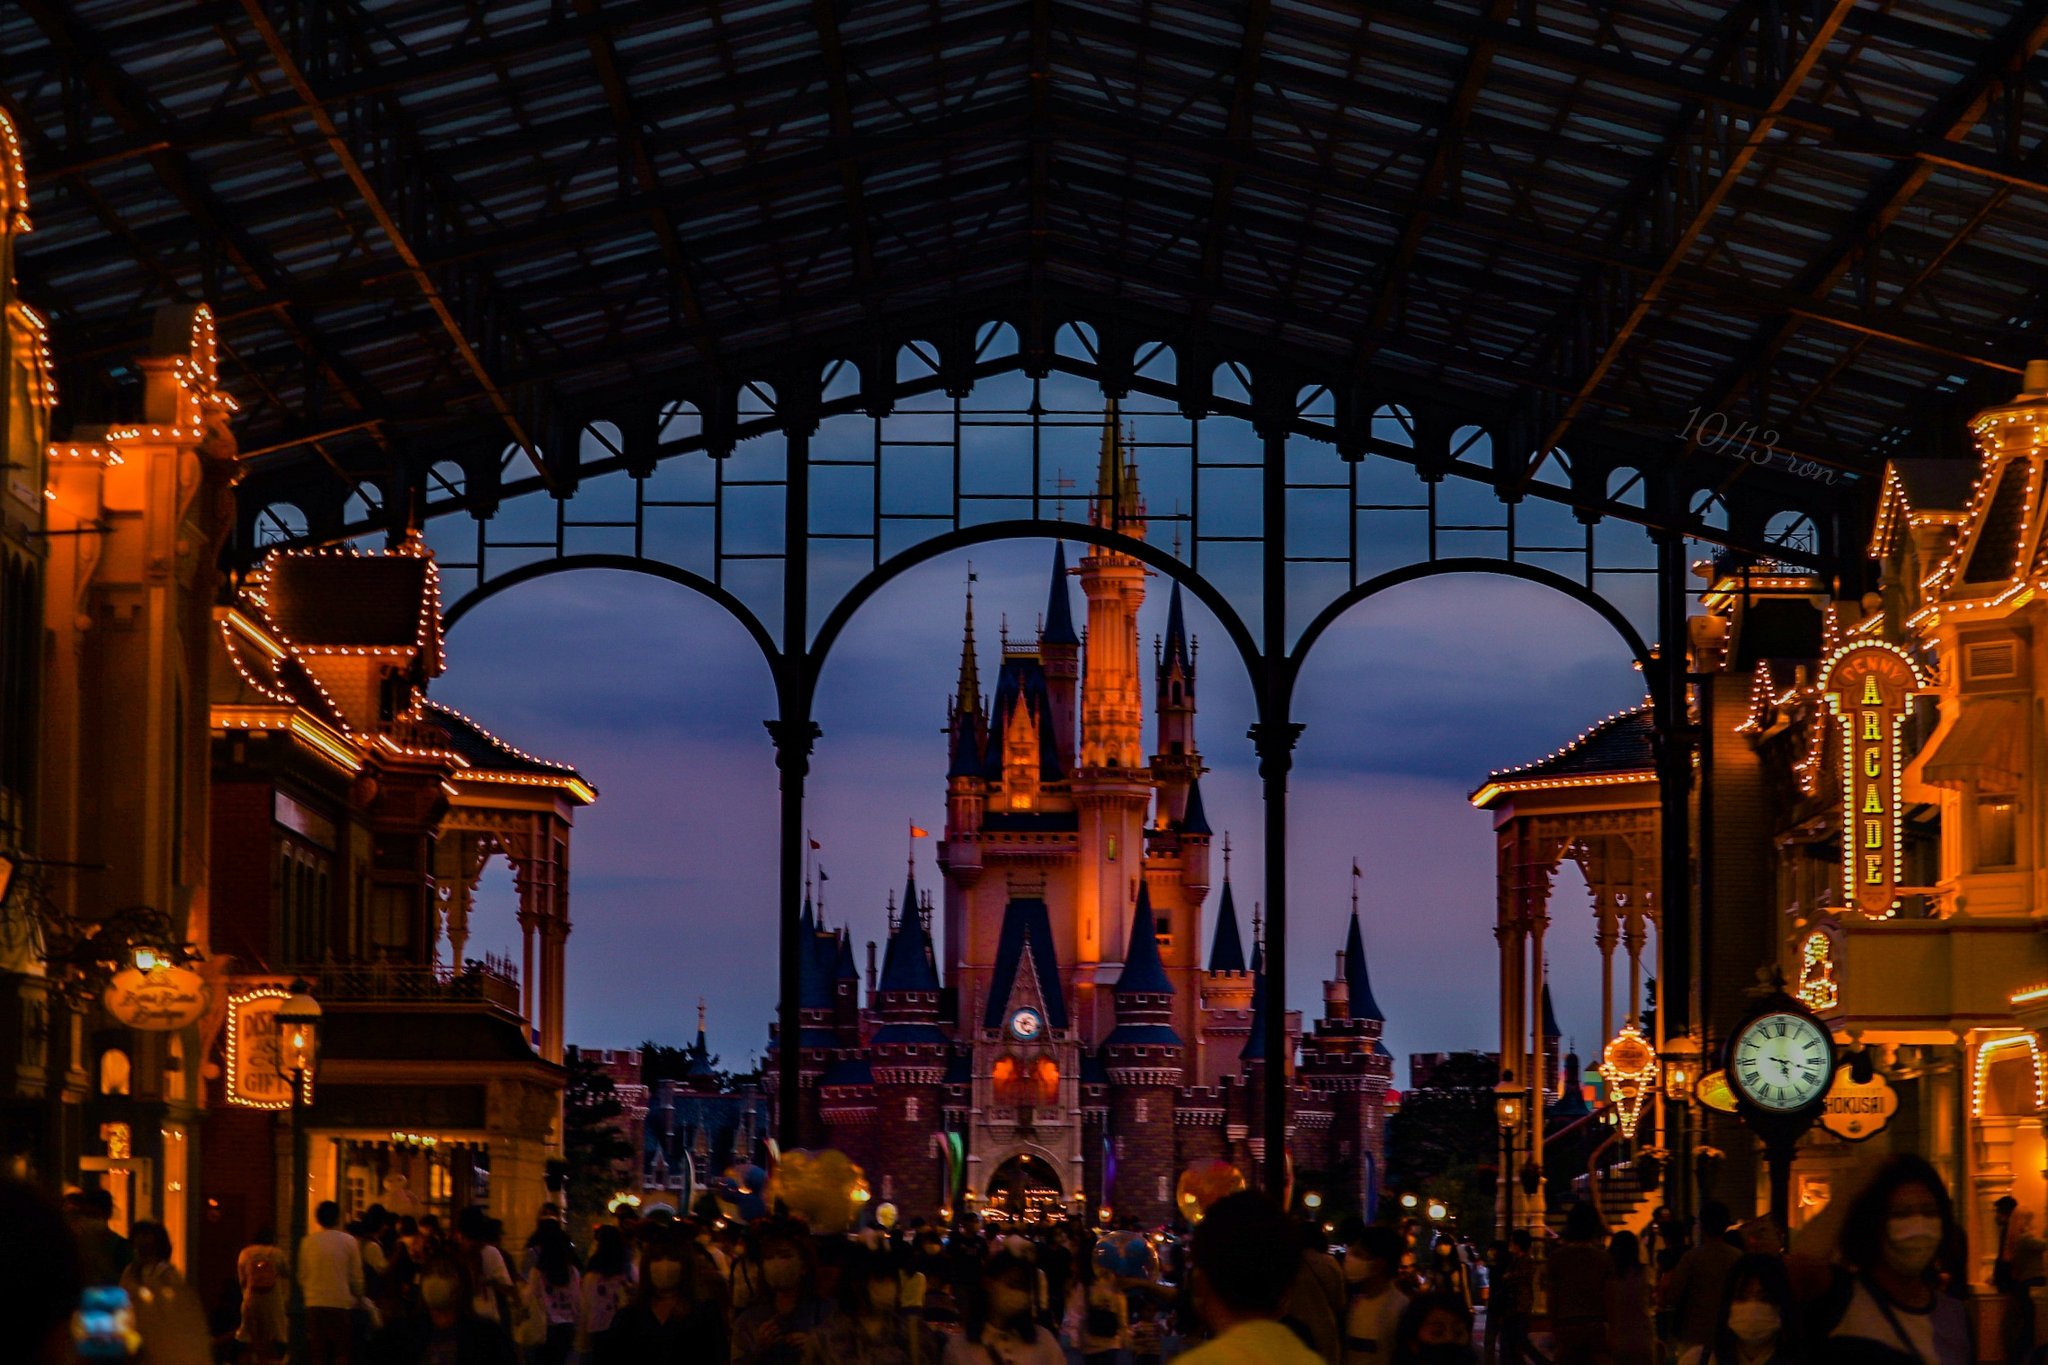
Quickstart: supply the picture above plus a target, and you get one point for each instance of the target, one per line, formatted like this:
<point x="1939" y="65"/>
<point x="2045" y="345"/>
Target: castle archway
<point x="1025" y="1188"/>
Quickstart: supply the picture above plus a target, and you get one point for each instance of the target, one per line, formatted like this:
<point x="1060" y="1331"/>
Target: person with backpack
<point x="260" y="1270"/>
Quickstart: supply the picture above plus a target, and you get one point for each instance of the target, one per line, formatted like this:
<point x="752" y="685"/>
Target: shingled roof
<point x="1614" y="747"/>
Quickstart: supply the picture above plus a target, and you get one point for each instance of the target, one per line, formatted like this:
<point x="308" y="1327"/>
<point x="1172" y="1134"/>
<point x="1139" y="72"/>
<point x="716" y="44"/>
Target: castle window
<point x="1143" y="1113"/>
<point x="910" y="1108"/>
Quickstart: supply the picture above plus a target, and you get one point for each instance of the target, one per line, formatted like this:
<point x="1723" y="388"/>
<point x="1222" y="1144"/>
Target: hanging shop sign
<point x="1713" y="1091"/>
<point x="253" y="1078"/>
<point x="1855" y="1110"/>
<point x="161" y="998"/>
<point x="1869" y="686"/>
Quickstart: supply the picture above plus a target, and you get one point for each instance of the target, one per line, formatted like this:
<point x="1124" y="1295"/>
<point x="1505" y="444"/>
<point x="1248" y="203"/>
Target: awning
<point x="1982" y="747"/>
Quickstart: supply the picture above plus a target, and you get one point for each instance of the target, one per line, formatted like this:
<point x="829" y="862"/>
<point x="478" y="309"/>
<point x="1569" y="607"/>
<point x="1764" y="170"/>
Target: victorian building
<point x="1072" y="1047"/>
<point x="1869" y="804"/>
<point x="352" y="819"/>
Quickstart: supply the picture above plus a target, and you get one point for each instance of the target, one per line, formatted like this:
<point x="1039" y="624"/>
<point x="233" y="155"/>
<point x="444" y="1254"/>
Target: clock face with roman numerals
<point x="1782" y="1062"/>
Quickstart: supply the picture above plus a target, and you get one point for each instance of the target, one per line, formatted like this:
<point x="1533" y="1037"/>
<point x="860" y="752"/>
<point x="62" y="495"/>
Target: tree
<point x="1444" y="1141"/>
<point x="598" y="1152"/>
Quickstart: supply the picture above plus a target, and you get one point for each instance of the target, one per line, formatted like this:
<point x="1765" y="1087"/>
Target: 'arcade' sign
<point x="1869" y="687"/>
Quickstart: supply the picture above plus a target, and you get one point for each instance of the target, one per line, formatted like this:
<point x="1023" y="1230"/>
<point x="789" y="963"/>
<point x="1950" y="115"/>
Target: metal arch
<point x="652" y="568"/>
<point x="1030" y="529"/>
<point x="1394" y="578"/>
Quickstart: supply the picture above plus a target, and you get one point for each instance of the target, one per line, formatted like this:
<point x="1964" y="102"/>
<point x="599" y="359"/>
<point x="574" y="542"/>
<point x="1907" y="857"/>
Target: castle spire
<point x="1144" y="973"/>
<point x="1228" y="953"/>
<point x="1356" y="977"/>
<point x="1177" y="635"/>
<point x="1059" y="616"/>
<point x="967" y="695"/>
<point x="1254" y="1049"/>
<point x="1117" y="507"/>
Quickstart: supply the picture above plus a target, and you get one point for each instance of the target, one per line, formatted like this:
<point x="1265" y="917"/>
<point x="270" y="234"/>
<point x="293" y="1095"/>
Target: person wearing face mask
<point x="677" y="1316"/>
<point x="606" y="1289"/>
<point x="872" y="1326"/>
<point x="1002" y="1325"/>
<point x="1886" y="1305"/>
<point x="1758" y="1322"/>
<point x="1374" y="1305"/>
<point x="1436" y="1329"/>
<point x="778" y="1326"/>
<point x="446" y="1330"/>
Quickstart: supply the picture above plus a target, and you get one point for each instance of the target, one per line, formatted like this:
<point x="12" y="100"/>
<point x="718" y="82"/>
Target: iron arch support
<point x="697" y="583"/>
<point x="1033" y="529"/>
<point x="1409" y="573"/>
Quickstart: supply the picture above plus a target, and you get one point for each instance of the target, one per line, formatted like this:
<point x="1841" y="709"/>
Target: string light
<point x="236" y="1005"/>
<point x="13" y="179"/>
<point x="1984" y="1060"/>
<point x="1847" y="715"/>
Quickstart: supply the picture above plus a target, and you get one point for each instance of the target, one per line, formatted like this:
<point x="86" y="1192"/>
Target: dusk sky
<point x="659" y="698"/>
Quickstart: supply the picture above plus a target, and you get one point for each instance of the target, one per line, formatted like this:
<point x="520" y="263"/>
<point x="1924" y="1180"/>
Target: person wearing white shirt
<point x="331" y="1280"/>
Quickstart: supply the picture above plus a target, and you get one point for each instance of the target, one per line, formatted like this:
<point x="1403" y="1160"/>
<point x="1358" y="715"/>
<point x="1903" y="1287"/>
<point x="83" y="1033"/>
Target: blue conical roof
<point x="1177" y="632"/>
<point x="1144" y="973"/>
<point x="844" y="968"/>
<point x="1059" y="616"/>
<point x="820" y="956"/>
<point x="1254" y="1049"/>
<point x="908" y="963"/>
<point x="1363" y="1006"/>
<point x="1196" y="819"/>
<point x="1228" y="953"/>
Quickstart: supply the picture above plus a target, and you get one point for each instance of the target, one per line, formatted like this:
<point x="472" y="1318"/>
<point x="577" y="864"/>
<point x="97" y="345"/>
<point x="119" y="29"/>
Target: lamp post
<point x="1682" y="1072"/>
<point x="1507" y="1109"/>
<point x="298" y="1055"/>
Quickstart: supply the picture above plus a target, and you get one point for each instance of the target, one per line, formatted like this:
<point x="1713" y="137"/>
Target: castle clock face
<point x="1026" y="1024"/>
<point x="1782" y="1062"/>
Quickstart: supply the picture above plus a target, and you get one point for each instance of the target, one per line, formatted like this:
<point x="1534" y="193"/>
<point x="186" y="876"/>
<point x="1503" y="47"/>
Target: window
<point x="1996" y="840"/>
<point x="304" y="933"/>
<point x="114" y="1068"/>
<point x="910" y="1108"/>
<point x="1142" y="1111"/>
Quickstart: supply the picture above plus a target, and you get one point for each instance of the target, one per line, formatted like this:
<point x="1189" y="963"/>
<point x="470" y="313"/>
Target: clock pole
<point x="1778" y="1113"/>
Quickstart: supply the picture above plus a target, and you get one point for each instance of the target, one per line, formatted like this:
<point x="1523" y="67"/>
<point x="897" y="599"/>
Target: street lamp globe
<point x="298" y="1032"/>
<point x="1507" y="1105"/>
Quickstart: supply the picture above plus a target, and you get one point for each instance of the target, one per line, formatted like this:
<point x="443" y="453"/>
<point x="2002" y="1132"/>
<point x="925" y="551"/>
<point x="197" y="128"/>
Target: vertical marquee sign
<point x="1870" y="687"/>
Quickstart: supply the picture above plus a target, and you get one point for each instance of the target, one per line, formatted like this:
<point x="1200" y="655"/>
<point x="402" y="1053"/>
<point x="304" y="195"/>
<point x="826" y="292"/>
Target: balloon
<point x="1203" y="1183"/>
<point x="741" y="1192"/>
<point x="1126" y="1253"/>
<point x="822" y="1188"/>
<point x="885" y="1214"/>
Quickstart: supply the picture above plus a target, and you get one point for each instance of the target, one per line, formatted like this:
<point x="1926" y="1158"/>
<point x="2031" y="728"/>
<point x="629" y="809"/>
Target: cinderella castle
<point x="1076" y="1050"/>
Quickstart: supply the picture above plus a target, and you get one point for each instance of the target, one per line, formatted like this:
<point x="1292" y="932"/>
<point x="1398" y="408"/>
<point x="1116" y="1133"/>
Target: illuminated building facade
<point x="108" y="546"/>
<point x="352" y="817"/>
<point x="1870" y="802"/>
<point x="1077" y="1049"/>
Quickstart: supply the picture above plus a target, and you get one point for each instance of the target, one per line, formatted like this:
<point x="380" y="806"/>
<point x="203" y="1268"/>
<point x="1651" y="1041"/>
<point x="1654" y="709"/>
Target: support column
<point x="795" y="733"/>
<point x="1275" y="743"/>
<point x="793" y="742"/>
<point x="1673" y="744"/>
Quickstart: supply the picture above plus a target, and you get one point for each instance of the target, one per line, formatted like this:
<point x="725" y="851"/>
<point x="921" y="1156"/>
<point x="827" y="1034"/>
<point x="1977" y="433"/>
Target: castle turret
<point x="1347" y="1066"/>
<point x="1059" y="650"/>
<point x="1143" y="1057"/>
<point x="1178" y="762"/>
<point x="1226" y="990"/>
<point x="1112" y="786"/>
<point x="908" y="1055"/>
<point x="967" y="735"/>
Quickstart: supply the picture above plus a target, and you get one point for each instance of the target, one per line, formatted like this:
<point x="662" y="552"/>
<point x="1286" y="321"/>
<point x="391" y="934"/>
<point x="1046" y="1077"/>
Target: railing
<point x="381" y="983"/>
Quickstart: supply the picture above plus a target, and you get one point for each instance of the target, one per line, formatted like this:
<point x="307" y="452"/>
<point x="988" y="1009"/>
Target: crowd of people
<point x="1876" y="1281"/>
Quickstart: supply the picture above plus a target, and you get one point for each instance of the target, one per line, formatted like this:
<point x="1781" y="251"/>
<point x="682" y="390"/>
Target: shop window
<point x="114" y="1069"/>
<point x="1996" y="838"/>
